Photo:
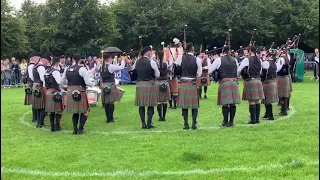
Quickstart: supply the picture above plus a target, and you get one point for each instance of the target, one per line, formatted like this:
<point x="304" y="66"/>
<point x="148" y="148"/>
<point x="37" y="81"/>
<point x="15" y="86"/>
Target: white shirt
<point x="280" y="62"/>
<point x="316" y="59"/>
<point x="83" y="72"/>
<point x="56" y="75"/>
<point x="114" y="68"/>
<point x="41" y="70"/>
<point x="30" y="68"/>
<point x="244" y="63"/>
<point x="153" y="65"/>
<point x="265" y="65"/>
<point x="217" y="63"/>
<point x="198" y="61"/>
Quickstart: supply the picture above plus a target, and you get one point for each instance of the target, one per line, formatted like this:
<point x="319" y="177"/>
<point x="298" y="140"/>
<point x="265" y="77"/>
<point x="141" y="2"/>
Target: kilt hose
<point x="173" y="84"/>
<point x="28" y="97"/>
<point x="163" y="96"/>
<point x="51" y="105"/>
<point x="228" y="92"/>
<point x="206" y="75"/>
<point x="146" y="94"/>
<point x="39" y="102"/>
<point x="73" y="106"/>
<point x="253" y="90"/>
<point x="284" y="89"/>
<point x="113" y="96"/>
<point x="270" y="90"/>
<point x="188" y="96"/>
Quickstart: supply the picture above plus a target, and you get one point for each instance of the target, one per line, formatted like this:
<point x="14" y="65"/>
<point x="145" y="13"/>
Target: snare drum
<point x="92" y="97"/>
<point x="121" y="92"/>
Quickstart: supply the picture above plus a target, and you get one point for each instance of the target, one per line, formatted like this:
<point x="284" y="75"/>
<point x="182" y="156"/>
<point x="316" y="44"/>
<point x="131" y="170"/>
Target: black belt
<point x="249" y="79"/>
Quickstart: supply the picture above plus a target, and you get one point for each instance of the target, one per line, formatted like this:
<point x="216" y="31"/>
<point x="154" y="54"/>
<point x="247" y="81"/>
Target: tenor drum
<point x="121" y="92"/>
<point x="93" y="95"/>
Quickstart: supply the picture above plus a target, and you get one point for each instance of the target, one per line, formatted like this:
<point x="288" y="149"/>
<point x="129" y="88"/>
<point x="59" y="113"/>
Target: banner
<point x="123" y="76"/>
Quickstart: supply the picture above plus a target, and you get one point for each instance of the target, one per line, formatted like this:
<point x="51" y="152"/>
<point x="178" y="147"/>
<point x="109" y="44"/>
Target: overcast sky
<point x="17" y="3"/>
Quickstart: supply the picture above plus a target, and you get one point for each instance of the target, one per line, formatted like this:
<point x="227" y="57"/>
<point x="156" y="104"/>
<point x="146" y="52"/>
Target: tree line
<point x="86" y="26"/>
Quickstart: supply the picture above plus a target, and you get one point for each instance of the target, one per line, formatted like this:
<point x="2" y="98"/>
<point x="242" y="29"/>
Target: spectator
<point x="68" y="61"/>
<point x="2" y="74"/>
<point x="315" y="66"/>
<point x="23" y="66"/>
<point x="15" y="73"/>
<point x="7" y="73"/>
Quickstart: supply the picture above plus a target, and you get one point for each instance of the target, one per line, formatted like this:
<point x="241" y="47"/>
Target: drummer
<point x="110" y="92"/>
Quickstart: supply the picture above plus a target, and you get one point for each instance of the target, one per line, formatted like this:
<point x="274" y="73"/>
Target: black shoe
<point x="162" y="119"/>
<point x="194" y="127"/>
<point x="58" y="127"/>
<point x="250" y="122"/>
<point x="75" y="132"/>
<point x="53" y="129"/>
<point x="186" y="128"/>
<point x="265" y="116"/>
<point x="37" y="126"/>
<point x="230" y="125"/>
<point x="270" y="118"/>
<point x="205" y="96"/>
<point x="150" y="127"/>
<point x="144" y="127"/>
<point x="257" y="122"/>
<point x="81" y="132"/>
<point x="283" y="114"/>
<point x="223" y="125"/>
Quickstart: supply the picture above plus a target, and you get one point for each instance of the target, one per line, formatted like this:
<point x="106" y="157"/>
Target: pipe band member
<point x="146" y="95"/>
<point x="191" y="68"/>
<point x="270" y="87"/>
<point x="77" y="102"/>
<point x="162" y="87"/>
<point x="284" y="84"/>
<point x="34" y="58"/>
<point x="228" y="91"/>
<point x="110" y="92"/>
<point x="250" y="69"/>
<point x="204" y="80"/>
<point x="54" y="106"/>
<point x="39" y="90"/>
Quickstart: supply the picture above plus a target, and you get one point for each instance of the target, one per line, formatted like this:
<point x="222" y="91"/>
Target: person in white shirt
<point x="204" y="80"/>
<point x="39" y="90"/>
<point x="284" y="85"/>
<point x="147" y="71"/>
<point x="77" y="101"/>
<point x="34" y="58"/>
<point x="250" y="69"/>
<point x="110" y="92"/>
<point x="228" y="92"/>
<point x="191" y="68"/>
<point x="54" y="106"/>
<point x="270" y="87"/>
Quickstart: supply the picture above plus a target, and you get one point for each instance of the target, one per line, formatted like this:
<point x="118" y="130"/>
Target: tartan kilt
<point x="146" y="94"/>
<point x="228" y="92"/>
<point x="73" y="106"/>
<point x="28" y="97"/>
<point x="188" y="96"/>
<point x="284" y="89"/>
<point x="173" y="84"/>
<point x="113" y="96"/>
<point x="270" y="90"/>
<point x="253" y="90"/>
<point x="39" y="102"/>
<point x="163" y="96"/>
<point x="52" y="106"/>
<point x="290" y="80"/>
<point x="206" y="75"/>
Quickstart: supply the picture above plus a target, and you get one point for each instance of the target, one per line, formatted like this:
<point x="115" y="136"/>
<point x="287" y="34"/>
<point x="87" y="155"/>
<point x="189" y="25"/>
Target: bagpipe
<point x="245" y="73"/>
<point x="133" y="73"/>
<point x="227" y="43"/>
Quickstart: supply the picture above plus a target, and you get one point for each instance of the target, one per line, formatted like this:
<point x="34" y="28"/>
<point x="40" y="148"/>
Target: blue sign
<point x="123" y="76"/>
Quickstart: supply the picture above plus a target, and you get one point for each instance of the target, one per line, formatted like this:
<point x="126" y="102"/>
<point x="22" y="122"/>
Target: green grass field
<point x="284" y="149"/>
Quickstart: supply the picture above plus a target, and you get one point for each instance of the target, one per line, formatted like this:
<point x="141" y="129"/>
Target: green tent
<point x="299" y="63"/>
